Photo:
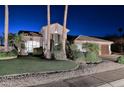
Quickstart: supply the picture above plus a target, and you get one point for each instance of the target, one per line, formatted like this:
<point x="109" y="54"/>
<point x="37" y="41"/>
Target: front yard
<point x="33" y="64"/>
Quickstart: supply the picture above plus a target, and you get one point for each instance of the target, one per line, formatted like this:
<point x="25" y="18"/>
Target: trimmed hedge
<point x="120" y="59"/>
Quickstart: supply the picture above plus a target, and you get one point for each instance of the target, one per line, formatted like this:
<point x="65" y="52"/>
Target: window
<point x="30" y="45"/>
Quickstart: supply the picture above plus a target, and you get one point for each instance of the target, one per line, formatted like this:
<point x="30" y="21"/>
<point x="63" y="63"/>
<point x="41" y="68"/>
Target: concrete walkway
<point x="114" y="78"/>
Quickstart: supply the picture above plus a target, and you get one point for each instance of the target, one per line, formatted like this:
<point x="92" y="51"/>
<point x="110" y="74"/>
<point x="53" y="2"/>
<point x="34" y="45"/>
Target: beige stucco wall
<point x="30" y="38"/>
<point x="54" y="29"/>
<point x="79" y="45"/>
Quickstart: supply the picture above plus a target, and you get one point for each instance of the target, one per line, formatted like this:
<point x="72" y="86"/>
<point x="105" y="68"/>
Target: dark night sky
<point x="82" y="20"/>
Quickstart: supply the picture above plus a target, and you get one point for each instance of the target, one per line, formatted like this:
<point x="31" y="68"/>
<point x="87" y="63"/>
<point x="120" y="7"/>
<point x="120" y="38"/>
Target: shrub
<point x="76" y="54"/>
<point x="8" y="54"/>
<point x="38" y="51"/>
<point x="12" y="53"/>
<point x="73" y="47"/>
<point x="59" y="55"/>
<point x="3" y="54"/>
<point x="73" y="53"/>
<point x="92" y="57"/>
<point x="80" y="58"/>
<point x="90" y="47"/>
<point x="120" y="59"/>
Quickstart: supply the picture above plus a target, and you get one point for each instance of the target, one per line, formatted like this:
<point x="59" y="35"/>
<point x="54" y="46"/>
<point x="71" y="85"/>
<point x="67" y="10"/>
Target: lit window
<point x="30" y="45"/>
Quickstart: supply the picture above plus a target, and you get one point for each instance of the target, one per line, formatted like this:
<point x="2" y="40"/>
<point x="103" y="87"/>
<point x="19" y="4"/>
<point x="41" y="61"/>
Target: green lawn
<point x="33" y="64"/>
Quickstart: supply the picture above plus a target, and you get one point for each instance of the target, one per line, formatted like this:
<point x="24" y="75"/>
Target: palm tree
<point x="6" y="28"/>
<point x="64" y="29"/>
<point x="120" y="30"/>
<point x="48" y="32"/>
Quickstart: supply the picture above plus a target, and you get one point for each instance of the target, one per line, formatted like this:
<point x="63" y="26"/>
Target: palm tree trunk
<point x="6" y="27"/>
<point x="64" y="29"/>
<point x="48" y="33"/>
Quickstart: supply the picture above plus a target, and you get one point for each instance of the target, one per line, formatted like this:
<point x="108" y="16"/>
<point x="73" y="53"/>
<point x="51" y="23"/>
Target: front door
<point x="104" y="49"/>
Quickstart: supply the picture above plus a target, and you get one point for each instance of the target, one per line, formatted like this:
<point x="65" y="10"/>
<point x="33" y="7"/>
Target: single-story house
<point x="33" y="39"/>
<point x="104" y="45"/>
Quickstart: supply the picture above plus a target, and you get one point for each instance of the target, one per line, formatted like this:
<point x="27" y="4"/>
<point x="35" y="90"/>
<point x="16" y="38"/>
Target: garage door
<point x="104" y="49"/>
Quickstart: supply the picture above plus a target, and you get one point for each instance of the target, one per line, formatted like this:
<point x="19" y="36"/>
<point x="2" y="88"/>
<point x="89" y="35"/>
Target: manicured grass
<point x="33" y="64"/>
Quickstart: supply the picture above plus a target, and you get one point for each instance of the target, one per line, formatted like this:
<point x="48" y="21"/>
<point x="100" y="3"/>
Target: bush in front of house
<point x="92" y="57"/>
<point x="120" y="59"/>
<point x="74" y="54"/>
<point x="80" y="57"/>
<point x="90" y="47"/>
<point x="38" y="51"/>
<point x="59" y="55"/>
<point x="9" y="53"/>
<point x="57" y="52"/>
<point x="13" y="52"/>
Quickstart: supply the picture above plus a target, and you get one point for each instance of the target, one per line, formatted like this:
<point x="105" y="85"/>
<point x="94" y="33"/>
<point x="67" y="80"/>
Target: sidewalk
<point x="114" y="78"/>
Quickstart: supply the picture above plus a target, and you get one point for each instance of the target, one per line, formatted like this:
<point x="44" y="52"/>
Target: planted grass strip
<point x="32" y="65"/>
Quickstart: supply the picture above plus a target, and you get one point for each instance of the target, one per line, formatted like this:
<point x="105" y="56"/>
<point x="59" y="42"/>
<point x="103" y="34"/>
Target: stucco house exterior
<point x="55" y="35"/>
<point x="39" y="39"/>
<point x="104" y="45"/>
<point x="33" y="40"/>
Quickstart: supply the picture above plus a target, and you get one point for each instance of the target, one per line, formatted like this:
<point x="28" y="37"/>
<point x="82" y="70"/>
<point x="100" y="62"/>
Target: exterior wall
<point x="104" y="49"/>
<point x="30" y="38"/>
<point x="54" y="29"/>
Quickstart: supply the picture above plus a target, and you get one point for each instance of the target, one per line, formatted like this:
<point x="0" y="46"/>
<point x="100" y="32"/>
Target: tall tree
<point x="48" y="32"/>
<point x="6" y="27"/>
<point x="64" y="29"/>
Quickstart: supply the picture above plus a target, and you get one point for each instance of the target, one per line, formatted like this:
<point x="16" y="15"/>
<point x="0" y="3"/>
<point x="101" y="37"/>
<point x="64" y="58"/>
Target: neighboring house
<point x="104" y="45"/>
<point x="39" y="39"/>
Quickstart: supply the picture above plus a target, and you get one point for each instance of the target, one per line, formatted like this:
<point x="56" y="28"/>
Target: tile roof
<point x="29" y="33"/>
<point x="55" y="25"/>
<point x="87" y="38"/>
